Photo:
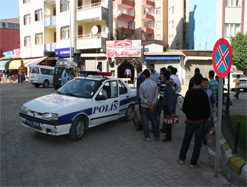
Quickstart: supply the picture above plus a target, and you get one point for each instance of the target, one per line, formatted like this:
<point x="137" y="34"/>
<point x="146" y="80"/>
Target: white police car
<point x="82" y="103"/>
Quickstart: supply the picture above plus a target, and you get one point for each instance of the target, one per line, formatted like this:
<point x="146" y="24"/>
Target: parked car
<point x="82" y="103"/>
<point x="233" y="77"/>
<point x="41" y="74"/>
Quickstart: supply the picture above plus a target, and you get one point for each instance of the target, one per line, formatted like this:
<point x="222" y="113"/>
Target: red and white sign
<point x="123" y="48"/>
<point x="16" y="53"/>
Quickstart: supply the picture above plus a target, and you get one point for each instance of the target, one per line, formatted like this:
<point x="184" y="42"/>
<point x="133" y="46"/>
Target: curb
<point x="237" y="164"/>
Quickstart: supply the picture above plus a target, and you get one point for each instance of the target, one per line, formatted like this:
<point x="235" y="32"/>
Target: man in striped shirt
<point x="213" y="85"/>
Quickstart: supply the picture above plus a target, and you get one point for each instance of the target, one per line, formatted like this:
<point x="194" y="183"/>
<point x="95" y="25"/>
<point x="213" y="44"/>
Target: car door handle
<point x="115" y="101"/>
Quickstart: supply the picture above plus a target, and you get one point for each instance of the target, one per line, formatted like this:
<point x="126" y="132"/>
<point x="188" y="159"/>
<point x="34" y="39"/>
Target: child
<point x="237" y="87"/>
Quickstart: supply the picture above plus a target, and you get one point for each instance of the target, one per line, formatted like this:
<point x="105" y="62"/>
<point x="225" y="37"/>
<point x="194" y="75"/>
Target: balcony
<point x="148" y="3"/>
<point x="147" y="17"/>
<point x="90" y="41"/>
<point x="50" y="21"/>
<point x="50" y="47"/>
<point x="126" y="3"/>
<point x="92" y="12"/>
<point x="147" y="31"/>
<point x="126" y="30"/>
<point x="125" y="17"/>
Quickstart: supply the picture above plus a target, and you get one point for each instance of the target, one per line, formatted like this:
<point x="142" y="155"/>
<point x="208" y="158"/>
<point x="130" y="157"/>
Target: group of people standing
<point x="157" y="92"/>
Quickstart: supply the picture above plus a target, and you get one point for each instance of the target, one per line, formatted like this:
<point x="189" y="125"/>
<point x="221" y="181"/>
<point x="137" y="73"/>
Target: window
<point x="80" y="30"/>
<point x="65" y="32"/>
<point x="231" y="29"/>
<point x="39" y="39"/>
<point x="27" y="19"/>
<point x="64" y="5"/>
<point x="158" y="10"/>
<point x="110" y="90"/>
<point x="122" y="88"/>
<point x="54" y="11"/>
<point x="172" y="23"/>
<point x="80" y="3"/>
<point x="158" y="24"/>
<point x="46" y="71"/>
<point x="26" y="1"/>
<point x="38" y="15"/>
<point x="27" y="41"/>
<point x="158" y="37"/>
<point x="233" y="3"/>
<point x="146" y="24"/>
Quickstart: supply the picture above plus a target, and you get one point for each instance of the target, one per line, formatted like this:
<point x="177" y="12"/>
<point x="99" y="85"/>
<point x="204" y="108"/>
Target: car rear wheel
<point x="77" y="128"/>
<point x="129" y="115"/>
<point x="46" y="84"/>
<point x="36" y="85"/>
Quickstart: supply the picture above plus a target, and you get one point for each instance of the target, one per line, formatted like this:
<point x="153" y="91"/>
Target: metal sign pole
<point x="218" y="131"/>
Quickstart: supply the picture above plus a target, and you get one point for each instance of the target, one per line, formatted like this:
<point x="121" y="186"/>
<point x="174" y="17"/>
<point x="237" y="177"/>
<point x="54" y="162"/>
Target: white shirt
<point x="177" y="81"/>
<point x="154" y="77"/>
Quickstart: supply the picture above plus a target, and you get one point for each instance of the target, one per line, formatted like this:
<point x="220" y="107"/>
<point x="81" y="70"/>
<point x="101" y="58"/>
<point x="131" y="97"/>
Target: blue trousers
<point x="190" y="129"/>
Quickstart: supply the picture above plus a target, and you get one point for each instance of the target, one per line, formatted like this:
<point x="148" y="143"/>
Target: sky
<point x="9" y="9"/>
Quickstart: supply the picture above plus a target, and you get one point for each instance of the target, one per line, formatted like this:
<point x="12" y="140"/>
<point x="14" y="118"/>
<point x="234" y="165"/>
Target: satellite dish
<point x="47" y="11"/>
<point x="94" y="30"/>
<point x="146" y="10"/>
<point x="105" y="30"/>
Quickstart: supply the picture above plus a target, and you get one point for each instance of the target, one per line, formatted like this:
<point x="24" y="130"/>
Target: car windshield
<point x="84" y="88"/>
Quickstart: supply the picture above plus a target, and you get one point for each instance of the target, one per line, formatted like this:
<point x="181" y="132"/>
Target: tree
<point x="239" y="50"/>
<point x="121" y="35"/>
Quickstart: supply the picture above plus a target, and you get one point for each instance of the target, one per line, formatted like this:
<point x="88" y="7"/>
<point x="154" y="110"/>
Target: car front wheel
<point x="77" y="128"/>
<point x="129" y="115"/>
<point x="46" y="84"/>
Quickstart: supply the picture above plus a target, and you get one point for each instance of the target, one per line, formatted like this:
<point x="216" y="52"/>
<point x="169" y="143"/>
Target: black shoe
<point x="167" y="140"/>
<point x="161" y="130"/>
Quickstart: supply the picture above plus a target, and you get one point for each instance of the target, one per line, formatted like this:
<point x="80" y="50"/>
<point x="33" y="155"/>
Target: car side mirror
<point x="100" y="97"/>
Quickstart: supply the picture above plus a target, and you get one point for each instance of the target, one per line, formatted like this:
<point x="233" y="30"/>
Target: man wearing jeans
<point x="149" y="98"/>
<point x="197" y="110"/>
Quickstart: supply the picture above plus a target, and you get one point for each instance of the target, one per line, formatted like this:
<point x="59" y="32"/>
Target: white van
<point x="40" y="74"/>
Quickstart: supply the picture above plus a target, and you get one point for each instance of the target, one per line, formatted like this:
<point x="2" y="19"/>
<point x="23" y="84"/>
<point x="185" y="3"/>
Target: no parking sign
<point x="222" y="57"/>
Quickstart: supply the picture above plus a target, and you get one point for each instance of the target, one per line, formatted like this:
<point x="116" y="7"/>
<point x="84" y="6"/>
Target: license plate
<point x="33" y="123"/>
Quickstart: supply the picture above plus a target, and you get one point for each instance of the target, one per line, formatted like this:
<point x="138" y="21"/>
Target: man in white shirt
<point x="176" y="80"/>
<point x="154" y="76"/>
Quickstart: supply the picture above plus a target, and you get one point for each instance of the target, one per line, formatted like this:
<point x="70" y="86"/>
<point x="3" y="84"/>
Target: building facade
<point x="9" y="35"/>
<point x="65" y="29"/>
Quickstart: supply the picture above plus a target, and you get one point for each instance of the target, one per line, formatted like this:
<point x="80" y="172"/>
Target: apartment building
<point x="9" y="36"/>
<point x="64" y="29"/>
<point x="144" y="20"/>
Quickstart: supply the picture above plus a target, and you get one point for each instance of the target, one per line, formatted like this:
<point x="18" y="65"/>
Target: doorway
<point x="121" y="70"/>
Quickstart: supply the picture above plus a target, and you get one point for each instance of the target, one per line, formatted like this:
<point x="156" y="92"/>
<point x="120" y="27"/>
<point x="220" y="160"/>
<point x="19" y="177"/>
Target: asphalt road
<point x="113" y="154"/>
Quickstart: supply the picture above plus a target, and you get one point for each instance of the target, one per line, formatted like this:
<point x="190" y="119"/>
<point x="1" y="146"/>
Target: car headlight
<point x="50" y="116"/>
<point x="24" y="110"/>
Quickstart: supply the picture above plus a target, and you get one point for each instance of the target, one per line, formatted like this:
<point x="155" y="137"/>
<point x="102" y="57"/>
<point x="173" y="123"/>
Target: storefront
<point x="91" y="60"/>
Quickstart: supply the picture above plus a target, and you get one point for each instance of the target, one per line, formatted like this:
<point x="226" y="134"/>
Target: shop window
<point x="64" y="5"/>
<point x="27" y="19"/>
<point x="65" y="33"/>
<point x="38" y="15"/>
<point x="39" y="39"/>
<point x="27" y="41"/>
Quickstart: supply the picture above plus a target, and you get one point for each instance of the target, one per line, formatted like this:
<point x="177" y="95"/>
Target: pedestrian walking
<point x="168" y="104"/>
<point x="154" y="76"/>
<point x="176" y="80"/>
<point x="127" y="73"/>
<point x="237" y="87"/>
<point x="66" y="75"/>
<point x="209" y="123"/>
<point x="213" y="84"/>
<point x="149" y="98"/>
<point x="197" y="110"/>
<point x="191" y="83"/>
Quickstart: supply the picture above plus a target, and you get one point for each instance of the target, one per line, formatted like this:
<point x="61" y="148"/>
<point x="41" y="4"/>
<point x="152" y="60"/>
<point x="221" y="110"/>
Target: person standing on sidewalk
<point x="149" y="97"/>
<point x="237" y="87"/>
<point x="168" y="104"/>
<point x="191" y="83"/>
<point x="197" y="110"/>
<point x="176" y="80"/>
<point x="213" y="84"/>
<point x="154" y="76"/>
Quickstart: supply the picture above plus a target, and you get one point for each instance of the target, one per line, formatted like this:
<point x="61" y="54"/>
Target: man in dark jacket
<point x="191" y="83"/>
<point x="197" y="110"/>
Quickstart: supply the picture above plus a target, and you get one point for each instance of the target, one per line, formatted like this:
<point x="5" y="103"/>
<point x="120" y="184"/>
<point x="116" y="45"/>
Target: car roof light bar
<point x="96" y="73"/>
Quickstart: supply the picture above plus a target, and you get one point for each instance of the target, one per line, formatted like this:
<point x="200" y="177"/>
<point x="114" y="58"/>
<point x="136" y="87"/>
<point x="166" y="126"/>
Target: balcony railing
<point x="50" y="21"/>
<point x="126" y="30"/>
<point x="146" y="30"/>
<point x="148" y="3"/>
<point x="94" y="5"/>
<point x="147" y="17"/>
<point x="126" y="3"/>
<point x="90" y="41"/>
<point x="125" y="17"/>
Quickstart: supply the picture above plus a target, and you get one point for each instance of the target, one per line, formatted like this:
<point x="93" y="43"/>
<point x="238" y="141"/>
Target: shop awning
<point x="35" y="61"/>
<point x="15" y="64"/>
<point x="162" y="58"/>
<point x="93" y="55"/>
<point x="3" y="64"/>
